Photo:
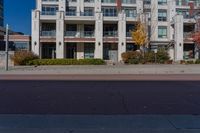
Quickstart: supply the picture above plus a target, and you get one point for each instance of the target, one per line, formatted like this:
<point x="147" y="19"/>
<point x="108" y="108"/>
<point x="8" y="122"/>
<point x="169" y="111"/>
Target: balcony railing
<point x="110" y="33"/>
<point x="87" y="13"/>
<point x="48" y="33"/>
<point x="128" y="34"/>
<point x="77" y="34"/>
<point x="48" y="12"/>
<point x="71" y="13"/>
<point x="187" y="35"/>
<point x="110" y="14"/>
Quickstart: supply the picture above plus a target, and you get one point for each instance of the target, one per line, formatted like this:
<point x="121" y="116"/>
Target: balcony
<point x="71" y="13"/>
<point x="48" y="13"/>
<point x="110" y="34"/>
<point x="128" y="34"/>
<point x="76" y="34"/>
<point x="87" y="13"/>
<point x="188" y="35"/>
<point x="48" y="33"/>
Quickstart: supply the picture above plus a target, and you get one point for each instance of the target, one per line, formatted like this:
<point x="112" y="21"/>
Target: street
<point x="99" y="97"/>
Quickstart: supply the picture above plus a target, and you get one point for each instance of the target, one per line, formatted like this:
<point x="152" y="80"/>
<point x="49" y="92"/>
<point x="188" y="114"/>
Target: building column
<point x="178" y="37"/>
<point x="121" y="35"/>
<point x="196" y="52"/>
<point x="35" y="43"/>
<point x="154" y="20"/>
<point x="39" y="5"/>
<point x="60" y="45"/>
<point x="80" y="50"/>
<point x="99" y="36"/>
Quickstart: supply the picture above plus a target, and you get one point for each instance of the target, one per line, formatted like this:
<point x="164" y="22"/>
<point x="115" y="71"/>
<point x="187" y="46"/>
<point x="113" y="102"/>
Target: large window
<point x="109" y="11"/>
<point x="162" y="2"/>
<point x="162" y="15"/>
<point x="130" y="12"/>
<point x="162" y="31"/>
<point x="89" y="50"/>
<point x="49" y="9"/>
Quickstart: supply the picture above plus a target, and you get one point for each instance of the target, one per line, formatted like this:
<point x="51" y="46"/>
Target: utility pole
<point x="6" y="50"/>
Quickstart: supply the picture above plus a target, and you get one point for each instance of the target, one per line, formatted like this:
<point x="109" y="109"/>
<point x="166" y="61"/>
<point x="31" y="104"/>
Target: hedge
<point x="136" y="57"/>
<point x="23" y="57"/>
<point x="66" y="62"/>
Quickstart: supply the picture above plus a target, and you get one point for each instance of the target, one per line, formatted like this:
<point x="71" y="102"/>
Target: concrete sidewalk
<point x="99" y="124"/>
<point x="105" y="69"/>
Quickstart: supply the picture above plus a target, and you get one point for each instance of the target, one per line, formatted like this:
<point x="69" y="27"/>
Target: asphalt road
<point x="99" y="97"/>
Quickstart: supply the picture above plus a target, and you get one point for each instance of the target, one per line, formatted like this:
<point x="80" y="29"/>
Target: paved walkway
<point x="105" y="69"/>
<point x="99" y="124"/>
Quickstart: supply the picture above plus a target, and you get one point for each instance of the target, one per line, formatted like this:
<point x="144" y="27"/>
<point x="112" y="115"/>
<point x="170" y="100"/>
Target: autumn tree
<point x="196" y="38"/>
<point x="139" y="35"/>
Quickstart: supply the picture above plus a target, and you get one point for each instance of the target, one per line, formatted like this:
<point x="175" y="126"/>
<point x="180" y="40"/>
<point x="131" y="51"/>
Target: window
<point x="162" y="32"/>
<point x="162" y="2"/>
<point x="89" y="50"/>
<point x="49" y="9"/>
<point x="162" y="15"/>
<point x="109" y="11"/>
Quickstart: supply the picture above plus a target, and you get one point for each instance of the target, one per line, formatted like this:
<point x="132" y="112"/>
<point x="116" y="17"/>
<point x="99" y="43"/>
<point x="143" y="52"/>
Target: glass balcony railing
<point x="68" y="13"/>
<point x="188" y="35"/>
<point x="110" y="14"/>
<point x="48" y="12"/>
<point x="87" y="13"/>
<point x="79" y="34"/>
<point x="71" y="33"/>
<point x="88" y="33"/>
<point x="128" y="34"/>
<point x="48" y="33"/>
<point x="110" y="33"/>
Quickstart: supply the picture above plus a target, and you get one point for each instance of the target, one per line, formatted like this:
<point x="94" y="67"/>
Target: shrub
<point x="67" y="62"/>
<point x="162" y="56"/>
<point x="23" y="57"/>
<point x="190" y="62"/>
<point x="135" y="57"/>
<point x="131" y="56"/>
<point x="197" y="61"/>
<point x="149" y="57"/>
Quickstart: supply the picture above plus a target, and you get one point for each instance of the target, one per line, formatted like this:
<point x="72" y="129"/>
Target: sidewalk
<point x="99" y="124"/>
<point x="105" y="69"/>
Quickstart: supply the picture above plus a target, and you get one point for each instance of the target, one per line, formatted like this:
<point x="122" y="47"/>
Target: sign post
<point x="6" y="50"/>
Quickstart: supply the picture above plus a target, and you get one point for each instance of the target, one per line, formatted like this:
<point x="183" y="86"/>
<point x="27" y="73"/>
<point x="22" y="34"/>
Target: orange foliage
<point x="139" y="36"/>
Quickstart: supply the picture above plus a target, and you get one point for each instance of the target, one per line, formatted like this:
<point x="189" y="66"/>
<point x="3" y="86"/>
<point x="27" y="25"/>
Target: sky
<point x="17" y="13"/>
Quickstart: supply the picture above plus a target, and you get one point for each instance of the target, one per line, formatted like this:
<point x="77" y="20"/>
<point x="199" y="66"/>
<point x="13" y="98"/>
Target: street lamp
<point x="6" y="50"/>
<point x="155" y="51"/>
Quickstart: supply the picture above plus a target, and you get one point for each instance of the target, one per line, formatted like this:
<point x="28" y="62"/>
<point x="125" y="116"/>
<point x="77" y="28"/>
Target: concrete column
<point x="80" y="30"/>
<point x="62" y="5"/>
<point x="196" y="50"/>
<point x="171" y="14"/>
<point x="122" y="35"/>
<point x="80" y="7"/>
<point x="139" y="6"/>
<point x="171" y="53"/>
<point x="154" y="20"/>
<point x="178" y="37"/>
<point x="35" y="45"/>
<point x="80" y="50"/>
<point x="60" y="45"/>
<point x="99" y="36"/>
<point x="97" y="5"/>
<point x="39" y="5"/>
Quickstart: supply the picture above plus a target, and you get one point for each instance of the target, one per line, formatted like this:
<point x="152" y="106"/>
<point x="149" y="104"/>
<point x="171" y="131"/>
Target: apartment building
<point x="102" y="28"/>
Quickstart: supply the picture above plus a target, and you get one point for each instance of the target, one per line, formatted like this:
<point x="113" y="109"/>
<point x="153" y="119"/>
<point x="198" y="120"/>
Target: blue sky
<point x="17" y="14"/>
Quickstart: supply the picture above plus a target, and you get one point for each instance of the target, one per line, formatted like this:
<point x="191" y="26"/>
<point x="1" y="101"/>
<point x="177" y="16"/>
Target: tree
<point x="196" y="38"/>
<point x="139" y="36"/>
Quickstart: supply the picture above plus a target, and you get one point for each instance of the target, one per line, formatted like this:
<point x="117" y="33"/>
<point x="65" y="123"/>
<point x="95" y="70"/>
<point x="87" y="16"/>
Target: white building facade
<point x="102" y="28"/>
